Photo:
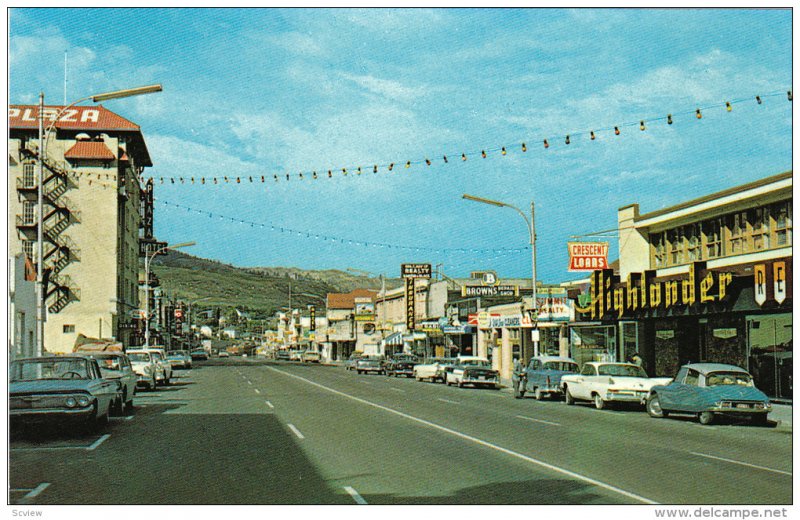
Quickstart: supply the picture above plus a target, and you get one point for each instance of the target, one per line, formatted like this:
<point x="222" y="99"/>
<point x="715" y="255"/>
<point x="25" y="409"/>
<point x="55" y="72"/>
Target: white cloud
<point x="390" y="89"/>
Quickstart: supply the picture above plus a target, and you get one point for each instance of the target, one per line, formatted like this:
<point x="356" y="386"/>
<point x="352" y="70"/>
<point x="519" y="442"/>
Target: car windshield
<point x="139" y="356"/>
<point x="157" y="355"/>
<point x="621" y="370"/>
<point x="176" y="354"/>
<point x="32" y="370"/>
<point x="482" y="363"/>
<point x="109" y="363"/>
<point x="729" y="378"/>
<point x="563" y="366"/>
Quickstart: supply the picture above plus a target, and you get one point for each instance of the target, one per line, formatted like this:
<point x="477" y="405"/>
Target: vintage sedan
<point x="367" y="364"/>
<point x="434" y="370"/>
<point x="163" y="366"/>
<point x="145" y="368"/>
<point x="179" y="359"/>
<point x="472" y="370"/>
<point x="543" y="376"/>
<point x="60" y="390"/>
<point x="608" y="382"/>
<point x="117" y="367"/>
<point x="707" y="390"/>
<point x="311" y="356"/>
<point x="199" y="354"/>
<point x="401" y="365"/>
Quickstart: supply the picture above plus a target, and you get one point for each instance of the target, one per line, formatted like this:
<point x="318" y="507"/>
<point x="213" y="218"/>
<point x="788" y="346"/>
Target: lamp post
<point x="44" y="135"/>
<point x="147" y="260"/>
<point x="532" y="231"/>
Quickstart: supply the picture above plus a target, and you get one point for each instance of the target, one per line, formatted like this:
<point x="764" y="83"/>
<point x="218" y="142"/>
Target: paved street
<point x="246" y="431"/>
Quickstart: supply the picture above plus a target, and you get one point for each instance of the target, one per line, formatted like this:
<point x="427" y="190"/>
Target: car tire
<point x="358" y="372"/>
<point x="538" y="395"/>
<point x="705" y="418"/>
<point x="654" y="409"/>
<point x="460" y="384"/>
<point x="568" y="397"/>
<point x="759" y="419"/>
<point x="598" y="402"/>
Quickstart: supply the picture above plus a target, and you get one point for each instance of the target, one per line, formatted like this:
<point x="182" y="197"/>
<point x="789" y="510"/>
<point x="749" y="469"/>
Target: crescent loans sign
<point x="587" y="256"/>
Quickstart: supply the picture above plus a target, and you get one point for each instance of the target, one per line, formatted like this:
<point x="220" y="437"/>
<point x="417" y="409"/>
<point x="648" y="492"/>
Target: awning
<point x="394" y="340"/>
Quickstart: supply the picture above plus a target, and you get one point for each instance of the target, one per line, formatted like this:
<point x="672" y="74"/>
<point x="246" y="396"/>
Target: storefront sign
<point x="483" y="320"/>
<point x="481" y="290"/>
<point x="432" y="328"/>
<point x="760" y="284"/>
<point x="364" y="310"/>
<point x="486" y="277"/>
<point x="410" y="306"/>
<point x="459" y="329"/>
<point x="779" y="281"/>
<point x="553" y="305"/>
<point x="724" y="333"/>
<point x="665" y="334"/>
<point x="149" y="247"/>
<point x="587" y="256"/>
<point x="415" y="270"/>
<point x="643" y="292"/>
<point x="472" y="319"/>
<point x="312" y="318"/>
<point x="505" y="321"/>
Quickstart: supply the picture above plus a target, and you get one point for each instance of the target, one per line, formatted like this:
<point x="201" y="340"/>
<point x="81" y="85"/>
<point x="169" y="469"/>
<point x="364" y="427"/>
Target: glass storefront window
<point x="593" y="343"/>
<point x="769" y="339"/>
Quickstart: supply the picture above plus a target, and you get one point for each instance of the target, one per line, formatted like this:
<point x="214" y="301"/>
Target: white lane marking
<point x="476" y="440"/>
<point x="353" y="493"/>
<point x="741" y="463"/>
<point x="37" y="490"/>
<point x="537" y="420"/>
<point x="269" y="404"/>
<point x="98" y="442"/>
<point x="257" y="390"/>
<point x="447" y="401"/>
<point x="249" y="382"/>
<point x="296" y="431"/>
<point x="397" y="390"/>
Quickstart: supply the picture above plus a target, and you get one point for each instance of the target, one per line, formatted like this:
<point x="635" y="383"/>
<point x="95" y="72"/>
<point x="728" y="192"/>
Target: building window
<point x="737" y="223"/>
<point x="713" y="238"/>
<point x="660" y="249"/>
<point x="29" y="249"/>
<point x="68" y="329"/>
<point x="29" y="175"/>
<point x="29" y="212"/>
<point x="675" y="246"/>
<point x="783" y="224"/>
<point x="760" y="228"/>
<point x="694" y="246"/>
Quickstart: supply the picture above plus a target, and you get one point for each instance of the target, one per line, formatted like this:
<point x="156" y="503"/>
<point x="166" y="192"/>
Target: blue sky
<point x="251" y="92"/>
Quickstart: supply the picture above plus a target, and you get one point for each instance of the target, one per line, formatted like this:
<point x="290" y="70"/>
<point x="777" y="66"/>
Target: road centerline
<point x="732" y="461"/>
<point x="447" y="401"/>
<point x="537" y="420"/>
<point x="476" y="440"/>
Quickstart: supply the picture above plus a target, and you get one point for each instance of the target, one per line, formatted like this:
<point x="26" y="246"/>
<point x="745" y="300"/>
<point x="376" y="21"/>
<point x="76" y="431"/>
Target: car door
<point x="533" y="375"/>
<point x="585" y="379"/>
<point x="677" y="395"/>
<point x="106" y="390"/>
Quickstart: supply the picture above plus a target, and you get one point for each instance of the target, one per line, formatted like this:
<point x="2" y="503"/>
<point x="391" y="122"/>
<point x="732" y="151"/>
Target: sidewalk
<point x="782" y="413"/>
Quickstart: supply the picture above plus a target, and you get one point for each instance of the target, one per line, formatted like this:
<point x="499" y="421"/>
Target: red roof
<point x="348" y="300"/>
<point x="74" y="118"/>
<point x="90" y="150"/>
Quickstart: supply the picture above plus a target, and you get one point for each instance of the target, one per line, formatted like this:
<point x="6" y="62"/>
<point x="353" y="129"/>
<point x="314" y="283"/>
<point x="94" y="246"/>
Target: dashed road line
<point x="478" y="441"/>
<point x="397" y="390"/>
<point x="447" y="401"/>
<point x="98" y="442"/>
<point x="295" y="431"/>
<point x="741" y="463"/>
<point x="249" y="382"/>
<point x="257" y="390"/>
<point x="353" y="493"/>
<point x="269" y="404"/>
<point x="537" y="420"/>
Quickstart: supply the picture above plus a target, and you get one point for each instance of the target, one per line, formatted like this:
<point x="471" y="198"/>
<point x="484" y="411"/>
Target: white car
<point x="164" y="368"/>
<point x="607" y="382"/>
<point x="145" y="368"/>
<point x="472" y="370"/>
<point x="433" y="371"/>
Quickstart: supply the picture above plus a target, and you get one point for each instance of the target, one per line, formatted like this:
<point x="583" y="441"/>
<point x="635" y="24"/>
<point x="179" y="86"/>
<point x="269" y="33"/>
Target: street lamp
<point x="147" y="260"/>
<point x="532" y="230"/>
<point x="43" y="137"/>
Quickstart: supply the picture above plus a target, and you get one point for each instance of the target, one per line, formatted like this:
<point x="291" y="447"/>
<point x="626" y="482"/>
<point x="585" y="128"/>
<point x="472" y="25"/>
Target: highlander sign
<point x="587" y="256"/>
<point x="496" y="290"/>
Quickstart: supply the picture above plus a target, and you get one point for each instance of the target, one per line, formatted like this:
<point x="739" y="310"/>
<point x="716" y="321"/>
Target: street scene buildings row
<point x="709" y="279"/>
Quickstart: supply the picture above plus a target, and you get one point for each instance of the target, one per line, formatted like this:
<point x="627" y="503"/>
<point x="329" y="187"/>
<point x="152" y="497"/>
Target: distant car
<point x="367" y="364"/>
<point x="223" y="353"/>
<point x="434" y="370"/>
<point x="609" y="382"/>
<point x="707" y="390"/>
<point x="350" y="364"/>
<point x="296" y="355"/>
<point x="199" y="354"/>
<point x="116" y="366"/>
<point x="543" y="376"/>
<point x="472" y="370"/>
<point x="179" y="359"/>
<point x="60" y="390"/>
<point x="400" y="366"/>
<point x="282" y="355"/>
<point x="309" y="356"/>
<point x="145" y="368"/>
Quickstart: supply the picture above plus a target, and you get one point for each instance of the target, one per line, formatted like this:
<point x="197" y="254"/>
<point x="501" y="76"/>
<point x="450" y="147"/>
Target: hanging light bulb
<point x="758" y="99"/>
<point x="215" y="180"/>
<point x="301" y="175"/>
<point x="238" y="181"/>
<point x="483" y="154"/>
<point x="616" y="130"/>
<point x="546" y="144"/>
<point x="314" y="174"/>
<point x="375" y="169"/>
<point x="276" y="177"/>
<point x="192" y="180"/>
<point x="524" y="148"/>
<point x="202" y="180"/>
<point x="445" y="158"/>
<point x="503" y="150"/>
<point x="669" y="119"/>
<point x="463" y="157"/>
<point x="330" y="174"/>
<point x="789" y="95"/>
<point x="251" y="179"/>
<point x="262" y="178"/>
<point x="728" y="106"/>
<point x="427" y="161"/>
<point x="566" y="141"/>
<point x="287" y="176"/>
<point x="391" y="165"/>
<point x="344" y="171"/>
<point x="359" y="170"/>
<point x="641" y="126"/>
<point x="698" y="114"/>
<point x="408" y="164"/>
<point x="592" y="136"/>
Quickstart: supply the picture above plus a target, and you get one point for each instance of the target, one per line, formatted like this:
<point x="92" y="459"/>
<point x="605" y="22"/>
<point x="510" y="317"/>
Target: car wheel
<point x="568" y="396"/>
<point x="119" y="406"/>
<point x="537" y="394"/>
<point x="706" y="418"/>
<point x="358" y="372"/>
<point x="460" y="384"/>
<point x="598" y="402"/>
<point x="654" y="407"/>
<point x="759" y="419"/>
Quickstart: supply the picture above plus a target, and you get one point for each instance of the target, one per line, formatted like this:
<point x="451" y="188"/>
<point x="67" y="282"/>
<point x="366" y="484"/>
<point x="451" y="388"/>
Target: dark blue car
<point x="542" y="377"/>
<point x="707" y="390"/>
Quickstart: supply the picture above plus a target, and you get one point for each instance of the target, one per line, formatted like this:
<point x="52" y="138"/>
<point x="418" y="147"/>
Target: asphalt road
<point x="246" y="431"/>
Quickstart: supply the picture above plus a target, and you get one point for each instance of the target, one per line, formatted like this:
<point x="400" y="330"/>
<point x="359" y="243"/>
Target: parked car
<point x="164" y="368"/>
<point x="434" y="370"/>
<point x="350" y="364"/>
<point x="400" y="365"/>
<point x="282" y="354"/>
<point x="199" y="354"/>
<point x="223" y="354"/>
<point x="368" y="364"/>
<point x="296" y="355"/>
<point x="310" y="356"/>
<point x="145" y="367"/>
<point x="708" y="390"/>
<point x="116" y="366"/>
<point x="179" y="359"/>
<point x="472" y="370"/>
<point x="543" y="376"/>
<point x="609" y="382"/>
<point x="60" y="390"/>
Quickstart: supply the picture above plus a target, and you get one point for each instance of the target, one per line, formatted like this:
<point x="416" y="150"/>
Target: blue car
<point x="542" y="377"/>
<point x="708" y="390"/>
